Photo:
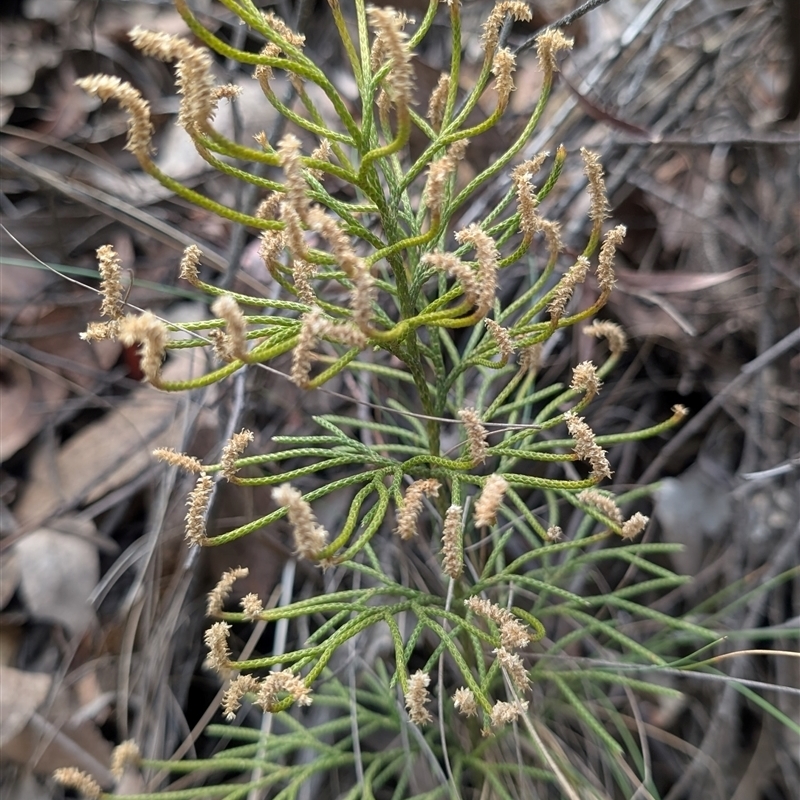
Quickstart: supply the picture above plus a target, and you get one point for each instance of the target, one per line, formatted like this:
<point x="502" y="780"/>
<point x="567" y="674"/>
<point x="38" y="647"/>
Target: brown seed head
<point x="464" y="701"/>
<point x="216" y="639"/>
<point x="296" y="186"/>
<point x="150" y="332"/>
<point x="228" y="91"/>
<point x="269" y="208"/>
<point x="302" y="272"/>
<point x="476" y="435"/>
<point x="123" y="756"/>
<point x="417" y="696"/>
<point x="221" y="592"/>
<point x="613" y="334"/>
<point x="603" y="503"/>
<point x="554" y="534"/>
<point x="513" y="665"/>
<point x="679" y="411"/>
<point x="491" y="27"/>
<point x="233" y="344"/>
<point x="438" y="101"/>
<point x="190" y="263"/>
<point x="309" y="536"/>
<point x="233" y="450"/>
<point x="303" y="353"/>
<point x="409" y="512"/>
<point x="598" y="201"/>
<point x="81" y="782"/>
<point x="439" y="174"/>
<point x="378" y="54"/>
<point x="490" y="500"/>
<point x="272" y="244"/>
<point x="140" y="127"/>
<point x="586" y="448"/>
<point x="530" y="221"/>
<point x="465" y="274"/>
<point x="501" y="337"/>
<point x="284" y="681"/>
<point x="513" y="633"/>
<point x="632" y="527"/>
<point x="552" y="235"/>
<point x="110" y="282"/>
<point x="503" y="66"/>
<point x="252" y="606"/>
<point x="487" y="257"/>
<point x="263" y="72"/>
<point x="237" y="689"/>
<point x="548" y="45"/>
<point x="98" y="331"/>
<point x="198" y="506"/>
<point x="605" y="265"/>
<point x="356" y="269"/>
<point x="322" y="152"/>
<point x="453" y="543"/>
<point x="585" y="380"/>
<point x="175" y="459"/>
<point x="293" y="231"/>
<point x="283" y="30"/>
<point x="195" y="81"/>
<point x="562" y="294"/>
<point x="503" y="713"/>
<point x="399" y="83"/>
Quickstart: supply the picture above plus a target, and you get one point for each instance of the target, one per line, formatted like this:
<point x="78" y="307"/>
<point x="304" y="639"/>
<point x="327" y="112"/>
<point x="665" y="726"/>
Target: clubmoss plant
<point x="466" y="454"/>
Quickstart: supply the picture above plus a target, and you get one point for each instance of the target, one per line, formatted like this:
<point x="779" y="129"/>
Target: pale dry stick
<point x="668" y="308"/>
<point x="566" y="787"/>
<point x="351" y="677"/>
<point x="88" y="288"/>
<point x="71" y="748"/>
<point x="712" y="202"/>
<point x="772" y="472"/>
<point x="49" y="141"/>
<point x="213" y="706"/>
<point x="162" y="637"/>
<point x="561" y="114"/>
<point x="678" y="201"/>
<point x="279" y="648"/>
<point x="749" y="682"/>
<point x="112" y="206"/>
<point x="756" y="652"/>
<point x="721" y="720"/>
<point x="644" y="744"/>
<point x="654" y="48"/>
<point x="630" y="35"/>
<point x="46" y="733"/>
<point x="761" y="236"/>
<point x="431" y="757"/>
<point x="50" y="375"/>
<point x="699" y="420"/>
<point x="136" y="600"/>
<point x="359" y="386"/>
<point x="499" y="427"/>
<point x="741" y="138"/>
<point x="636" y="669"/>
<point x="562" y="22"/>
<point x="440" y="689"/>
<point x="670" y="740"/>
